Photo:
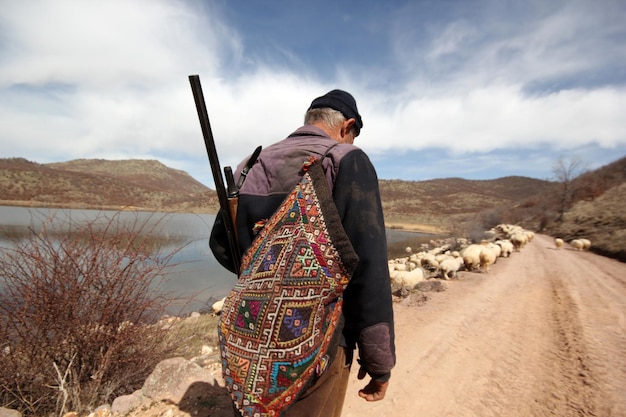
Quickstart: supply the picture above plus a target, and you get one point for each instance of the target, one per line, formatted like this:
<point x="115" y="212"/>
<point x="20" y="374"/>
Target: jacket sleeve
<point x="368" y="304"/>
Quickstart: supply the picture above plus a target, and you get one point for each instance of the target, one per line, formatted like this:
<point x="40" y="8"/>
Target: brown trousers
<point x="325" y="398"/>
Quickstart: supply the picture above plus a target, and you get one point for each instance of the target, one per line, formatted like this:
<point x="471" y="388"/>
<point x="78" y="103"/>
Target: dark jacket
<point x="367" y="300"/>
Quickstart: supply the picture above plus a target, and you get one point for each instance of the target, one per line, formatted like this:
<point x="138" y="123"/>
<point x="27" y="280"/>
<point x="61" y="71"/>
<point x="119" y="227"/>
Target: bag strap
<point x="331" y="214"/>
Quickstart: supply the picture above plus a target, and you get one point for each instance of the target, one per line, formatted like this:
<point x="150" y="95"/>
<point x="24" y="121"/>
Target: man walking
<point x="331" y="125"/>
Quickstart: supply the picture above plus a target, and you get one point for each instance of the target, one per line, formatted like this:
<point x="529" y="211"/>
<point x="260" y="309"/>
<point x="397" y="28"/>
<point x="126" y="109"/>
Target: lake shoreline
<point x="405" y="226"/>
<point x="416" y="228"/>
<point x="198" y="274"/>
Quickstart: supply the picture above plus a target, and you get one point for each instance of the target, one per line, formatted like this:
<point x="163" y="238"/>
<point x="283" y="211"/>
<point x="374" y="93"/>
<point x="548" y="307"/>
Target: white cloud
<point x="83" y="79"/>
<point x="108" y="44"/>
<point x="499" y="117"/>
<point x="454" y="37"/>
<point x="92" y="78"/>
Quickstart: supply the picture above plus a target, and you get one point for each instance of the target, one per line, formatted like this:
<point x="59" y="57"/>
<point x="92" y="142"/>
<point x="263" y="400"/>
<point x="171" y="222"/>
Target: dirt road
<point x="542" y="334"/>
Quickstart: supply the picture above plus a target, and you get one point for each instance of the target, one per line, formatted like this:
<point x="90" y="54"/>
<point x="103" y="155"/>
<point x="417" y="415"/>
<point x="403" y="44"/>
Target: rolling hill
<point x="457" y="206"/>
<point x="103" y="184"/>
<point x="150" y="185"/>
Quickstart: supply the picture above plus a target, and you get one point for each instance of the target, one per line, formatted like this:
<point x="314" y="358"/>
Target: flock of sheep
<point x="577" y="244"/>
<point x="444" y="261"/>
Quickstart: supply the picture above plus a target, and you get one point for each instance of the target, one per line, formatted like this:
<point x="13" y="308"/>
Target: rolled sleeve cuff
<point x="376" y="351"/>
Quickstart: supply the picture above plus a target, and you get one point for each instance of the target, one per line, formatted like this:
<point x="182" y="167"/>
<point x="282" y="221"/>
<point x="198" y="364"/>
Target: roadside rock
<point x="432" y="285"/>
<point x="7" y="412"/>
<point x="171" y="379"/>
<point x="176" y="381"/>
<point x="125" y="403"/>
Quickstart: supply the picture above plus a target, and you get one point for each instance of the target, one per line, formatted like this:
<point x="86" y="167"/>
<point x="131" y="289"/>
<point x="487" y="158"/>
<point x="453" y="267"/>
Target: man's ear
<point x="347" y="126"/>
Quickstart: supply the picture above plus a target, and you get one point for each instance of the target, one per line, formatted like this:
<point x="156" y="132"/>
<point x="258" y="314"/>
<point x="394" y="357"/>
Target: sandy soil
<point x="542" y="334"/>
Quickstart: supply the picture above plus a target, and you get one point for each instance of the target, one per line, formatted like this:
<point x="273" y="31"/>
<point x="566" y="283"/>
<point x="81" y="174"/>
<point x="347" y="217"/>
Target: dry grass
<point x="190" y="334"/>
<point x="601" y="220"/>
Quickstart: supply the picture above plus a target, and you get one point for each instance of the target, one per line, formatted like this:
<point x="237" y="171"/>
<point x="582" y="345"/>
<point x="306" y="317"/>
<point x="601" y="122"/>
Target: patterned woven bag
<point x="277" y="328"/>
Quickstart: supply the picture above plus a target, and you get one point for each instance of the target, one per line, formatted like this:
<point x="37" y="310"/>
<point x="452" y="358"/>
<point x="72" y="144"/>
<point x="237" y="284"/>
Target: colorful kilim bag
<point x="277" y="328"/>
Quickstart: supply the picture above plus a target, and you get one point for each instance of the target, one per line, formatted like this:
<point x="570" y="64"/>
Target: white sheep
<point x="429" y="261"/>
<point x="450" y="266"/>
<point x="488" y="256"/>
<point x="399" y="266"/>
<point x="481" y="255"/>
<point x="508" y="231"/>
<point x="218" y="306"/>
<point x="471" y="256"/>
<point x="407" y="278"/>
<point x="558" y="243"/>
<point x="586" y="243"/>
<point x="443" y="256"/>
<point x="497" y="249"/>
<point x="506" y="247"/>
<point x="577" y="244"/>
<point x="519" y="240"/>
<point x="439" y="250"/>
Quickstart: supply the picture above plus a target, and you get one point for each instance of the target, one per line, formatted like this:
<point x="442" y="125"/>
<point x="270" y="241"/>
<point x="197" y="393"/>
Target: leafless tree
<point x="565" y="170"/>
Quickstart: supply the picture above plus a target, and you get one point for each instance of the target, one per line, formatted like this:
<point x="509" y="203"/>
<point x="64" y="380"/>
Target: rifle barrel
<point x="222" y="195"/>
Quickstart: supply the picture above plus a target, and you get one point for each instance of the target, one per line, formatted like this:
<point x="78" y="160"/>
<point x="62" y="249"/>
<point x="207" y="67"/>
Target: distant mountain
<point x="97" y="183"/>
<point x="444" y="201"/>
<point x="148" y="184"/>
<point x="147" y="174"/>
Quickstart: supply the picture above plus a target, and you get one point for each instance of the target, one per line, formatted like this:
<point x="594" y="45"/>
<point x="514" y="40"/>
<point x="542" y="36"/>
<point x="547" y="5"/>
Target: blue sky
<point x="477" y="89"/>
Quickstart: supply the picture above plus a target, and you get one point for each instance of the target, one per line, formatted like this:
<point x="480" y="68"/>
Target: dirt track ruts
<point x="541" y="334"/>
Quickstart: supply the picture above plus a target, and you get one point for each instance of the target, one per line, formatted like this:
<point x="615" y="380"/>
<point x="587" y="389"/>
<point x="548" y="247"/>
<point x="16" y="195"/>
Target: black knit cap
<point x="342" y="102"/>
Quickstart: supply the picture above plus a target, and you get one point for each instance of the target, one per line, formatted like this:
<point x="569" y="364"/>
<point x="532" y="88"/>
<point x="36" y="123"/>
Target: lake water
<point x="197" y="276"/>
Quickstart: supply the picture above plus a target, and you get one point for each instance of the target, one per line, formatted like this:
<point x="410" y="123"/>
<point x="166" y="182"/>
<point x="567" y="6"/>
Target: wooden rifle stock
<point x="233" y="195"/>
<point x="228" y="217"/>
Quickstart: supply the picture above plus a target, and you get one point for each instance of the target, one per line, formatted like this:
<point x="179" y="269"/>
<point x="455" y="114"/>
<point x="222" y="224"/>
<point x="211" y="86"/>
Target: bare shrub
<point x="78" y="313"/>
<point x="565" y="171"/>
<point x="476" y="232"/>
<point x="458" y="226"/>
<point x="491" y="218"/>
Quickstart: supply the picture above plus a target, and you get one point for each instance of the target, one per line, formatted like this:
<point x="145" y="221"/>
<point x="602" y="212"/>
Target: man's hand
<point x="374" y="391"/>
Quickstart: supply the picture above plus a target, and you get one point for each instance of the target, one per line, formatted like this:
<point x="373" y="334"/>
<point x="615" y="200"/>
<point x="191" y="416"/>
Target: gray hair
<point x="330" y="117"/>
